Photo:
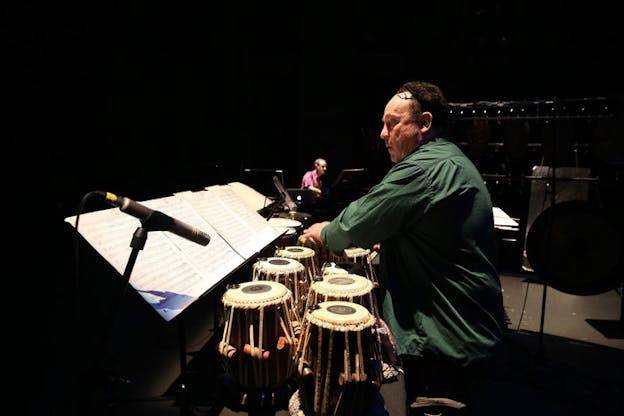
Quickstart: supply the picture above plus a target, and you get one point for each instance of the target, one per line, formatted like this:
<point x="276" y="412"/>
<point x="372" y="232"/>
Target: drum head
<point x="353" y="252"/>
<point x="343" y="267"/>
<point x="286" y="230"/>
<point x="341" y="316"/>
<point x="284" y="222"/>
<point x="342" y="285"/>
<point x="256" y="294"/>
<point x="279" y="265"/>
<point x="576" y="248"/>
<point x="295" y="252"/>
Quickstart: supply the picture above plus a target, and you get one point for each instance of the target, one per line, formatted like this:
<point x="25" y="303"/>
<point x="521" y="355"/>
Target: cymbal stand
<point x="539" y="355"/>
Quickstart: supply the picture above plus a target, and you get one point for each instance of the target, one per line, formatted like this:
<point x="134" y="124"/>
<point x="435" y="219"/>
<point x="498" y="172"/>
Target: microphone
<point x="160" y="221"/>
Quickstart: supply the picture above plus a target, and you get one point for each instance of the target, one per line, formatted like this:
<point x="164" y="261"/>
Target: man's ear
<point x="425" y="123"/>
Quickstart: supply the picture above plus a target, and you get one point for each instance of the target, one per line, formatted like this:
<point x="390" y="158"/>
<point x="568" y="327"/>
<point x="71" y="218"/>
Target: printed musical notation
<point x="171" y="272"/>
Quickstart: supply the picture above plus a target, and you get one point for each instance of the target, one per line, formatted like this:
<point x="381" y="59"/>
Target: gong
<point x="576" y="248"/>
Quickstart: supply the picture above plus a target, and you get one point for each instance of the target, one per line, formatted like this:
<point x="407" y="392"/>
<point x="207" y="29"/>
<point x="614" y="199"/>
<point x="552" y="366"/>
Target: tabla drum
<point x="303" y="255"/>
<point x="361" y="256"/>
<point x="343" y="286"/>
<point x="342" y="267"/>
<point x="287" y="237"/>
<point x="289" y="272"/>
<point x="338" y="360"/>
<point x="303" y="217"/>
<point x="321" y="250"/>
<point x="284" y="222"/>
<point x="289" y="228"/>
<point x="259" y="341"/>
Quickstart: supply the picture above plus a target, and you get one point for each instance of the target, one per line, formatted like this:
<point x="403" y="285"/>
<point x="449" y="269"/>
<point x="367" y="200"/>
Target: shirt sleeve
<point x="397" y="201"/>
<point x="307" y="180"/>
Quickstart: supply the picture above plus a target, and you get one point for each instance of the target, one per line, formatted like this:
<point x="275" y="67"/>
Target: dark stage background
<point x="150" y="98"/>
<point x="146" y="99"/>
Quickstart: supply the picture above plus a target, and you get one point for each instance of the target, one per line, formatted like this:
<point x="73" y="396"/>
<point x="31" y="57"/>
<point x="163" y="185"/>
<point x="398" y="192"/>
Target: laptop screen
<point x="302" y="197"/>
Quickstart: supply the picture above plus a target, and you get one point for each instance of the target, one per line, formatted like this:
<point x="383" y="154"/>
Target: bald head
<point x="320" y="165"/>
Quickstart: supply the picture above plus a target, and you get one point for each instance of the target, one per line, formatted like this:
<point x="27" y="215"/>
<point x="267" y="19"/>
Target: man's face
<point x="321" y="167"/>
<point x="400" y="132"/>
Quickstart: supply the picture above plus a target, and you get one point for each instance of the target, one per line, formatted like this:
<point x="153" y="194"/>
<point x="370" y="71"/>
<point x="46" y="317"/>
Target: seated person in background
<point x="312" y="178"/>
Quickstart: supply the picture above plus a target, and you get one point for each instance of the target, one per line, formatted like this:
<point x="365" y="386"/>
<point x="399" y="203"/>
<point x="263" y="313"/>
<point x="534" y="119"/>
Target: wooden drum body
<point x="343" y="286"/>
<point x="289" y="272"/>
<point x="360" y="256"/>
<point x="259" y="337"/>
<point x="339" y="365"/>
<point x="305" y="256"/>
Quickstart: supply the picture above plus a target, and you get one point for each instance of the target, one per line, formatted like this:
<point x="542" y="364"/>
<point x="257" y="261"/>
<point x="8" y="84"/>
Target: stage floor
<point x="573" y="368"/>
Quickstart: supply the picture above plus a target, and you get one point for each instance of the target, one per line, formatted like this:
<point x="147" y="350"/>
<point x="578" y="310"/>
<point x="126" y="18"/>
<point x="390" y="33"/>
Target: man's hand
<point x="314" y="189"/>
<point x="314" y="231"/>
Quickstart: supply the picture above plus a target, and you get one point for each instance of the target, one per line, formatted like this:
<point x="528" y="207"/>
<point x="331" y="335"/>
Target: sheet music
<point x="172" y="272"/>
<point x="502" y="220"/>
<point x="214" y="260"/>
<point x="254" y="199"/>
<point x="161" y="274"/>
<point x="245" y="230"/>
<point x="263" y="232"/>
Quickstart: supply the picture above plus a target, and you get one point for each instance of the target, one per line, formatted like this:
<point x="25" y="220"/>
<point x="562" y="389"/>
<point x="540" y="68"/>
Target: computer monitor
<point x="349" y="185"/>
<point x="351" y="178"/>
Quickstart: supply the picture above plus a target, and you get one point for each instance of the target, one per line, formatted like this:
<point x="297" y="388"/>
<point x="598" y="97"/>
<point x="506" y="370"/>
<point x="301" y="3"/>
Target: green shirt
<point x="433" y="216"/>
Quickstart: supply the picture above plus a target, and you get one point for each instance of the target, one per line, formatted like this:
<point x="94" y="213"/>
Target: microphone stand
<point x="272" y="208"/>
<point x="155" y="221"/>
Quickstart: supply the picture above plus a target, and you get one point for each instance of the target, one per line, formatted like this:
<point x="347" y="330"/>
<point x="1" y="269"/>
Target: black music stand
<point x="102" y="238"/>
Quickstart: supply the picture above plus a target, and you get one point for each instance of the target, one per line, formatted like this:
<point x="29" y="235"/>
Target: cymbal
<point x="296" y="215"/>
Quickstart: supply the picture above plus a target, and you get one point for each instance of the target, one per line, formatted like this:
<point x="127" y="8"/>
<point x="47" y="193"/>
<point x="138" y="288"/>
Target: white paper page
<point x="263" y="231"/>
<point x="228" y="222"/>
<point x="501" y="219"/>
<point x="252" y="198"/>
<point x="161" y="274"/>
<point x="171" y="272"/>
<point x="215" y="260"/>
